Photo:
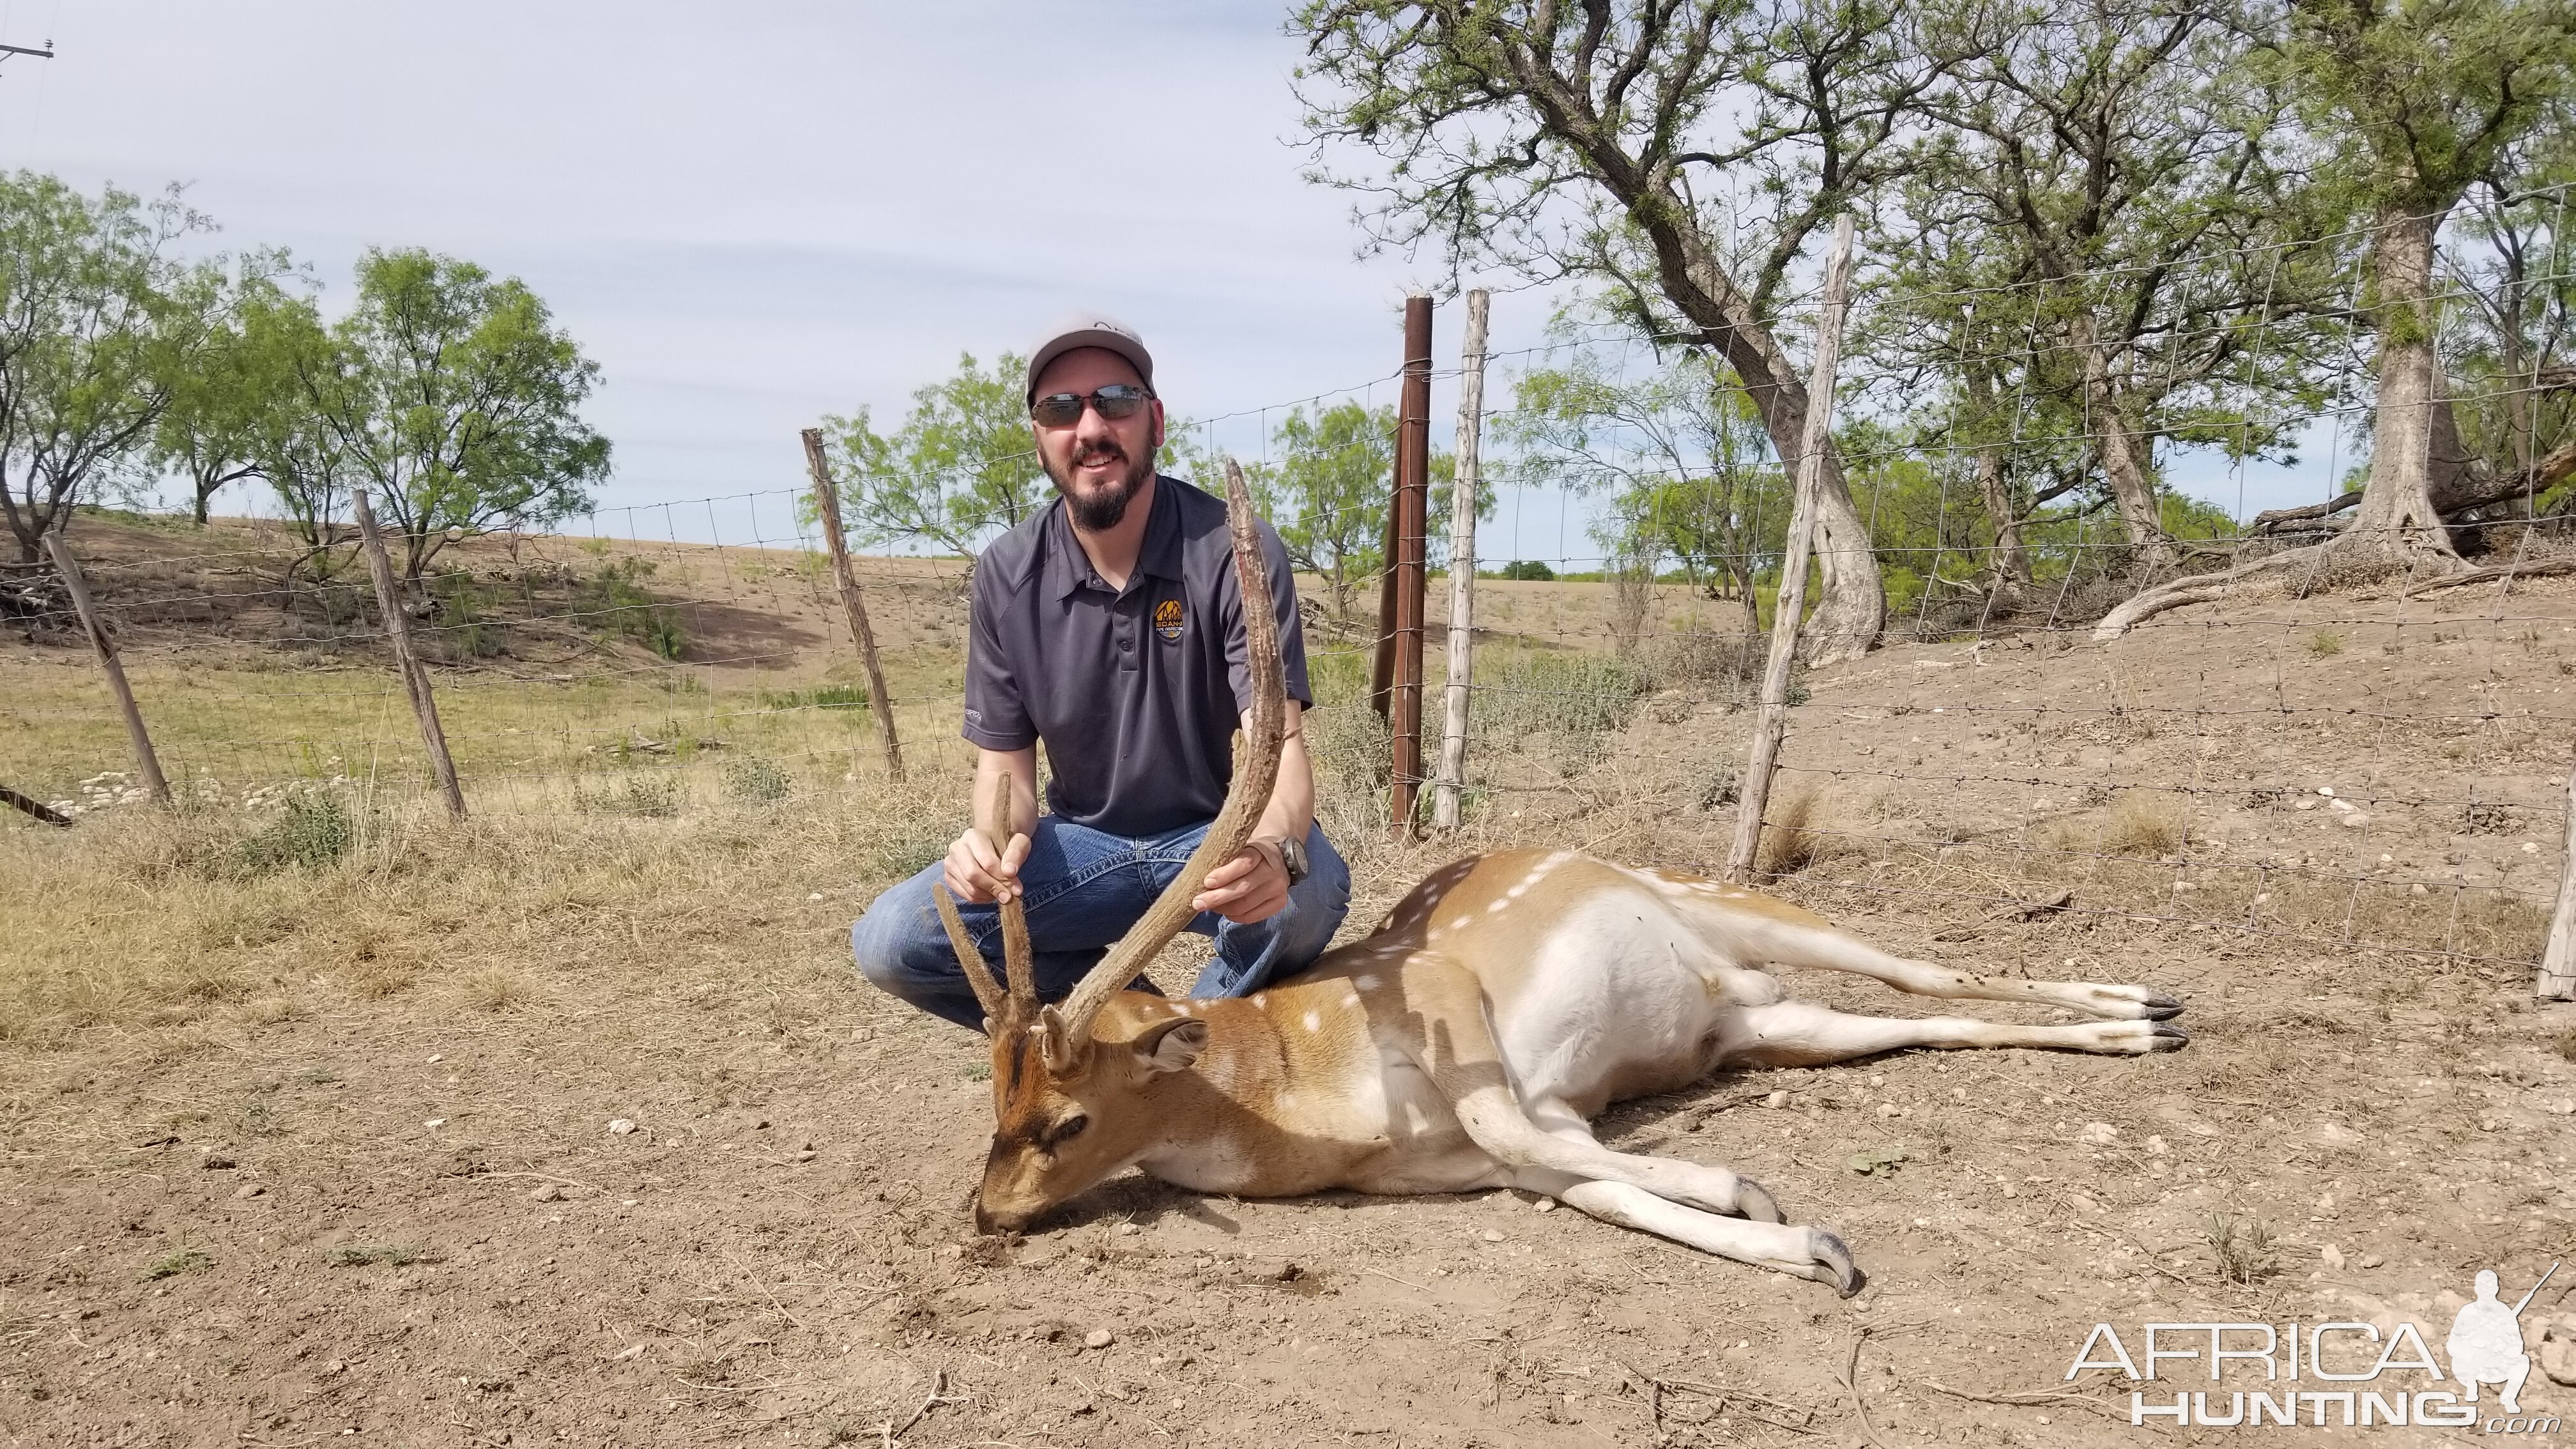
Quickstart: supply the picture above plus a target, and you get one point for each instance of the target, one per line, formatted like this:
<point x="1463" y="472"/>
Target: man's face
<point x="1098" y="464"/>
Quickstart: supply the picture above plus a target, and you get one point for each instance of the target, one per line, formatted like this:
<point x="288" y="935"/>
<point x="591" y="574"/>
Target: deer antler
<point x="1017" y="969"/>
<point x="1256" y="770"/>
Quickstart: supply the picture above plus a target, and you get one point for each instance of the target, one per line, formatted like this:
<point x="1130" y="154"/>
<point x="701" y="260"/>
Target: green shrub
<point x="1528" y="570"/>
<point x="316" y="828"/>
<point x="756" y="781"/>
<point x="621" y="607"/>
<point x="1564" y="693"/>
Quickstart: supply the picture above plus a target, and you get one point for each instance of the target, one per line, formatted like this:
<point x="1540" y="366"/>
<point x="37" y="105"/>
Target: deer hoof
<point x="2159" y="1007"/>
<point x="2169" y="1038"/>
<point x="1754" y="1201"/>
<point x="1833" y="1265"/>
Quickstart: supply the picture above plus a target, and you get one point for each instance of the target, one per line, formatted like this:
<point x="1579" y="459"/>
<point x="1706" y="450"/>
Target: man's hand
<point x="980" y="874"/>
<point x="1251" y="887"/>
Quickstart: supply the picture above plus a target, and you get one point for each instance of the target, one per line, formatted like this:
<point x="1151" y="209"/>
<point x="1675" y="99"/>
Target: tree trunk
<point x="2010" y="561"/>
<point x="2397" y="521"/>
<point x="2125" y="462"/>
<point x="1851" y="605"/>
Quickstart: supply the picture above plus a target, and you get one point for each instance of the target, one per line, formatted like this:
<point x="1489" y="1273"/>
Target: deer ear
<point x="1056" y="1046"/>
<point x="1171" y="1046"/>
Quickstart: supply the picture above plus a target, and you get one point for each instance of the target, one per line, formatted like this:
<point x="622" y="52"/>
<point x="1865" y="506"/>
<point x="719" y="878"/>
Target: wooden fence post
<point x="398" y="633"/>
<point x="1765" y="754"/>
<point x="1462" y="566"/>
<point x="2558" y="958"/>
<point x="827" y="506"/>
<point x="105" y="648"/>
<point x="1413" y="526"/>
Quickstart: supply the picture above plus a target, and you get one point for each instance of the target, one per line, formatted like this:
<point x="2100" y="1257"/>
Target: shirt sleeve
<point x="1292" y="633"/>
<point x="997" y="716"/>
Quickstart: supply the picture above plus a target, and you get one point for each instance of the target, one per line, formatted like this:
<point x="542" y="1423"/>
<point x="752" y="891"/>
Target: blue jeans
<point x="1083" y="889"/>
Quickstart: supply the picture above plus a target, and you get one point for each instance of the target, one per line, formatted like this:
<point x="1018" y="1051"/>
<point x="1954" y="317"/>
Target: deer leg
<point x="1803" y="1034"/>
<point x="1805" y="1252"/>
<point x="1835" y="951"/>
<point x="1562" y="1122"/>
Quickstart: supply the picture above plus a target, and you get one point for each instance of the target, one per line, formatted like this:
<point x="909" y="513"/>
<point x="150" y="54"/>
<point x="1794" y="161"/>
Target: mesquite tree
<point x="1683" y="155"/>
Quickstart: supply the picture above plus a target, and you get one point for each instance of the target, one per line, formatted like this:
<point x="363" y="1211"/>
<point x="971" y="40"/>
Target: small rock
<point x="1546" y="1204"/>
<point x="2369" y="1260"/>
<point x="1776" y="1099"/>
<point x="620" y="1127"/>
<point x="807" y="1155"/>
<point x="1128" y="1230"/>
<point x="2009" y="1191"/>
<point x="952" y="1251"/>
<point x="548" y="1193"/>
<point x="2418" y="889"/>
<point x="2353" y="821"/>
<point x="249" y="1190"/>
<point x="814" y="895"/>
<point x="2099" y="1133"/>
<point x="217" y="1162"/>
<point x="1492" y="1235"/>
<point x="2333" y="1257"/>
<point x="1099" y="1338"/>
<point x="435" y="1122"/>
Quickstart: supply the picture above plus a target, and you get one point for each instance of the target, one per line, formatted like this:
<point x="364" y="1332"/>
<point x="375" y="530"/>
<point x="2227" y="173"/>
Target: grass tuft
<point x="186" y="1260"/>
<point x="2243" y="1249"/>
<point x="316" y="828"/>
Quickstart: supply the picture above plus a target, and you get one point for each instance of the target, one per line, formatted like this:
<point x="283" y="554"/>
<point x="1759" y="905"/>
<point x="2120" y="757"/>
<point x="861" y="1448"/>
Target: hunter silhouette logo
<point x="1167" y="620"/>
<point x="2347" y="1373"/>
<point x="2486" y="1342"/>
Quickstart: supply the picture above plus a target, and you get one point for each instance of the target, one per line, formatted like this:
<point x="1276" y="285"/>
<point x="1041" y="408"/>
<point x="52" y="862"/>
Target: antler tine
<point x="1018" y="972"/>
<point x="978" y="975"/>
<point x="1016" y="967"/>
<point x="1255" y="772"/>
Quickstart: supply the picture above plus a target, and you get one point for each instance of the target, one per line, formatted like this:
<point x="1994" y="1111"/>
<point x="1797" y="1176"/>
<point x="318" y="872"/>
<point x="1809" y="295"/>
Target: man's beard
<point x="1100" y="512"/>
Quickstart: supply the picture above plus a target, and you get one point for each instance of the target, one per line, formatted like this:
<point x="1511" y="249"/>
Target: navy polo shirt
<point x="1137" y="692"/>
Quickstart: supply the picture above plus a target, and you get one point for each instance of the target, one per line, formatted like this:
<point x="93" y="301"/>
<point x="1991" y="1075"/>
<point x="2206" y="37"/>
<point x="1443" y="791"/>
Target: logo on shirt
<point x="1167" y="620"/>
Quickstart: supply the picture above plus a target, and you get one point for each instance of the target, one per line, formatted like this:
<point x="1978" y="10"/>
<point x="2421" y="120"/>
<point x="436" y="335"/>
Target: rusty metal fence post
<point x="1412" y="508"/>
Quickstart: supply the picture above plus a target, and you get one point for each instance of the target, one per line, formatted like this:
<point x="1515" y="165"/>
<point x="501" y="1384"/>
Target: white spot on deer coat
<point x="1365" y="983"/>
<point x="1350" y="999"/>
<point x="1314" y="1021"/>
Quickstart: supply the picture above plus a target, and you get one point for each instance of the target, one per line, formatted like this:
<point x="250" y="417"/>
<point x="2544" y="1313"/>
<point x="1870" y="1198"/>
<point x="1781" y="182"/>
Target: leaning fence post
<point x="827" y="507"/>
<point x="1765" y="754"/>
<point x="1462" y="566"/>
<point x="105" y="648"/>
<point x="2558" y="958"/>
<point x="398" y="633"/>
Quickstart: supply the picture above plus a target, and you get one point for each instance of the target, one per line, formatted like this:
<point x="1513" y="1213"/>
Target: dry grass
<point x="132" y="922"/>
<point x="2145" y="825"/>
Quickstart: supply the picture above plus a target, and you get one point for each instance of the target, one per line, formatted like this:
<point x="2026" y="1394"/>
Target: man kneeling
<point x="1110" y="627"/>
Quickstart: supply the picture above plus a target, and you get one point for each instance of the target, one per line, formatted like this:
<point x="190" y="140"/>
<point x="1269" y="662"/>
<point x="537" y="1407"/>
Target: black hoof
<point x="2171" y="1038"/>
<point x="2161" y="1007"/>
<point x="1834" y="1266"/>
<point x="1754" y="1201"/>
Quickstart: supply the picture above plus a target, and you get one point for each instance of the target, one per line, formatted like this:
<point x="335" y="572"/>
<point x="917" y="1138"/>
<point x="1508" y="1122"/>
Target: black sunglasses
<point x="1064" y="409"/>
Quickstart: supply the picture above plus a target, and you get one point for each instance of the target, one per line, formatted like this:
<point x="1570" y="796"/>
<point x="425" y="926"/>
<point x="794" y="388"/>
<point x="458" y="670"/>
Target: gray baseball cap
<point x="1088" y="329"/>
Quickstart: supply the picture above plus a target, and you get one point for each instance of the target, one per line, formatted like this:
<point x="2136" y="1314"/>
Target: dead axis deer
<point x="1465" y="1042"/>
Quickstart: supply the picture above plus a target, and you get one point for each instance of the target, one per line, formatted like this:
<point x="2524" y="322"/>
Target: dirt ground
<point x="578" y="1129"/>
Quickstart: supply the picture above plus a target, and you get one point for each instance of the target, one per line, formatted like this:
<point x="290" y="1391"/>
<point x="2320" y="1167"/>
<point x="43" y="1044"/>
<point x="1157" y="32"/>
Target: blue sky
<point x="756" y="215"/>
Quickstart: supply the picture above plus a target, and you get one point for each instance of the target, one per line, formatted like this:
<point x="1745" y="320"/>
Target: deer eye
<point x="1067" y="1130"/>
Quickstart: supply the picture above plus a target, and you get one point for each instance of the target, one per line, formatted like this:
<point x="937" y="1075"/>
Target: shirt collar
<point x="1068" y="568"/>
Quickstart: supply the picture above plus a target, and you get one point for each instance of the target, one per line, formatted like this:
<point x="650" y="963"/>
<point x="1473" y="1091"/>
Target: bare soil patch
<point x="332" y="1148"/>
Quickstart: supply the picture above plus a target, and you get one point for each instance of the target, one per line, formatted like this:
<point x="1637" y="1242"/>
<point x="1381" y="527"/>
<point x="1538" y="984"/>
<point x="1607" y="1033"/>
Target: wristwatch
<point x="1292" y="858"/>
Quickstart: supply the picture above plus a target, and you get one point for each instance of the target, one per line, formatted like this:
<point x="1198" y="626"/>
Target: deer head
<point x="1071" y="1108"/>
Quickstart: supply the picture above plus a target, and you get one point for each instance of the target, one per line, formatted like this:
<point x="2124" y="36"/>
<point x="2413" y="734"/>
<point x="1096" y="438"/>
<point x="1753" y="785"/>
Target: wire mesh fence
<point x="2331" y="759"/>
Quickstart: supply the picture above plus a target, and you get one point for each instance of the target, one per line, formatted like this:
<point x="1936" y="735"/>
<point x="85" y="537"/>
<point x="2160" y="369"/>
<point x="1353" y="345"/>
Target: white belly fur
<point x="1621" y="985"/>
